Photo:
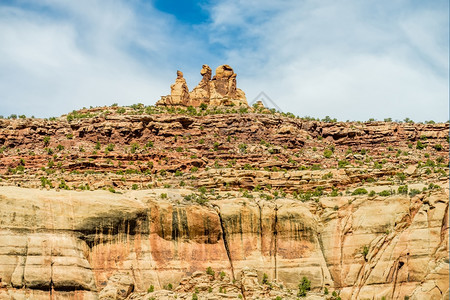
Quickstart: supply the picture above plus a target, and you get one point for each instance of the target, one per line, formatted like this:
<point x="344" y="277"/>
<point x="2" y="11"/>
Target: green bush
<point x="151" y="289"/>
<point x="359" y="191"/>
<point x="401" y="176"/>
<point x="403" y="189"/>
<point x="365" y="251"/>
<point x="46" y="140"/>
<point x="327" y="153"/>
<point x="420" y="145"/>
<point x="342" y="163"/>
<point x="385" y="193"/>
<point x="134" y="186"/>
<point x="303" y="287"/>
<point x="210" y="271"/>
<point x="243" y="148"/>
<point x="265" y="279"/>
<point x="134" y="147"/>
<point x="438" y="147"/>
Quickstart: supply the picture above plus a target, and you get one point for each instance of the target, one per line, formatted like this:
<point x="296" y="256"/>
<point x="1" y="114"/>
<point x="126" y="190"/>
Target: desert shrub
<point x="385" y="193"/>
<point x="327" y="153"/>
<point x="327" y="176"/>
<point x="342" y="163"/>
<point x="413" y="192"/>
<point x="403" y="189"/>
<point x="359" y="191"/>
<point x="46" y="140"/>
<point x="401" y="176"/>
<point x="303" y="287"/>
<point x="134" y="147"/>
<point x="438" y="147"/>
<point x="420" y="145"/>
<point x="365" y="251"/>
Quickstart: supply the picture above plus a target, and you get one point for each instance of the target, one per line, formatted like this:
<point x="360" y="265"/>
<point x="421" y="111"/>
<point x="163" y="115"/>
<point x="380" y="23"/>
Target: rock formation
<point x="107" y="202"/>
<point x="221" y="90"/>
<point x="201" y="93"/>
<point x="179" y="95"/>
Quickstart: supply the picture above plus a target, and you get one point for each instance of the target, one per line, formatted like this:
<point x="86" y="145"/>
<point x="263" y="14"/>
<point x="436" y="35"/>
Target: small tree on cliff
<point x="303" y="287"/>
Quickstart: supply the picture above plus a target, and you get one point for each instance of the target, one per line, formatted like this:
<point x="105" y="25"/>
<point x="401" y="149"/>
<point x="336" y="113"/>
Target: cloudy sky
<point x="352" y="60"/>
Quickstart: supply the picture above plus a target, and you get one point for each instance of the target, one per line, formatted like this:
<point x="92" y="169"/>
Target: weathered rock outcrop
<point x="179" y="95"/>
<point x="221" y="90"/>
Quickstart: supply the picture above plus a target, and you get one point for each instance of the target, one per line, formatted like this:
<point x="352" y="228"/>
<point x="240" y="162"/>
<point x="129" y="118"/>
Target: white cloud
<point x="347" y="59"/>
<point x="69" y="54"/>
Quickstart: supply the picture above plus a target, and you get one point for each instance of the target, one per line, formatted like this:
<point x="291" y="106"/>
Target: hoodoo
<point x="219" y="90"/>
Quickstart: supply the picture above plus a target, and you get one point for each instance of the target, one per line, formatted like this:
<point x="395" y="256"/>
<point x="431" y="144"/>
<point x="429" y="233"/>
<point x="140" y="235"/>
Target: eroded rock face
<point x="221" y="90"/>
<point x="73" y="244"/>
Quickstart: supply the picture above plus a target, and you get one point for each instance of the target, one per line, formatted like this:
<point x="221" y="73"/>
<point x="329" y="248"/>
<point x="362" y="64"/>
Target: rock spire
<point x="219" y="90"/>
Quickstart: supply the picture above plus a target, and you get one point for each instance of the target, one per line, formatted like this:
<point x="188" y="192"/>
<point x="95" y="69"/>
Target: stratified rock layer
<point x="107" y="202"/>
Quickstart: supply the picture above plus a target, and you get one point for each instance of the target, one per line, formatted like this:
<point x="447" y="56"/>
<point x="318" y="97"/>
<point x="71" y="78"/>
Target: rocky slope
<point x="107" y="202"/>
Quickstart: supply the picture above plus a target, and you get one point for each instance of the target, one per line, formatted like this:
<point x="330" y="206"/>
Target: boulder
<point x="119" y="287"/>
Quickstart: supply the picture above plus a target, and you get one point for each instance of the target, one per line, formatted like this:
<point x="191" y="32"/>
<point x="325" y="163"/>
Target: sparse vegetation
<point x="304" y="287"/>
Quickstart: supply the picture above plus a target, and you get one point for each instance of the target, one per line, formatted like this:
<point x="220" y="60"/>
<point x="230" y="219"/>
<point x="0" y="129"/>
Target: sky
<point x="350" y="60"/>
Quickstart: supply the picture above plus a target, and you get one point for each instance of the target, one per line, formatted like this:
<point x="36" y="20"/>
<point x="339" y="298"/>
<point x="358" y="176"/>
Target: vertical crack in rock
<point x="397" y="267"/>
<point x="275" y="235"/>
<point x="322" y="250"/>
<point x="225" y="241"/>
<point x="51" y="271"/>
<point x="260" y="228"/>
<point x="25" y="263"/>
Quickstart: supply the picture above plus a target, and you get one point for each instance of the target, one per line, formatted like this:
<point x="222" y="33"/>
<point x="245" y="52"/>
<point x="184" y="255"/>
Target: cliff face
<point x="111" y="201"/>
<point x="69" y="243"/>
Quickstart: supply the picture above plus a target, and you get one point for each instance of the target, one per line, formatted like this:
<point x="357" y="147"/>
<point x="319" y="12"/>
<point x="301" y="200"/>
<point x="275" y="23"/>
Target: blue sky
<point x="352" y="60"/>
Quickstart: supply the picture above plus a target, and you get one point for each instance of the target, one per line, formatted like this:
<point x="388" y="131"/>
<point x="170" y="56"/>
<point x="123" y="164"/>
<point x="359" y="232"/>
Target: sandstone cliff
<point x="108" y="202"/>
<point x="69" y="243"/>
